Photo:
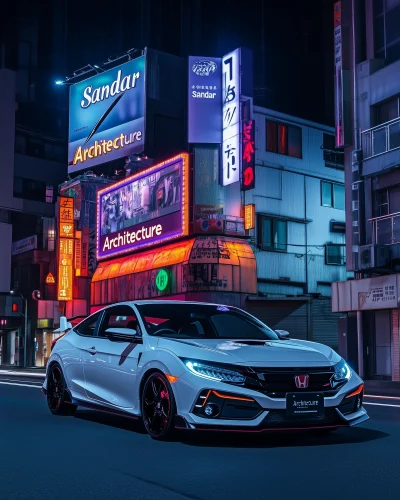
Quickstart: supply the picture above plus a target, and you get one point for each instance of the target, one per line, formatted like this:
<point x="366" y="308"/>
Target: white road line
<point x="381" y="397"/>
<point x="380" y="404"/>
<point x="21" y="385"/>
<point x="17" y="374"/>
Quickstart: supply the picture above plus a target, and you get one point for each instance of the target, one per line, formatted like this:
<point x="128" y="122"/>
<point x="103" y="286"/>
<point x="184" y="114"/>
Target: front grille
<point x="277" y="382"/>
<point x="278" y="419"/>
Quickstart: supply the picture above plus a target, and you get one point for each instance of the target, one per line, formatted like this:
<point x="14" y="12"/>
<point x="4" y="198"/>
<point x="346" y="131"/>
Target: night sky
<point x="293" y="74"/>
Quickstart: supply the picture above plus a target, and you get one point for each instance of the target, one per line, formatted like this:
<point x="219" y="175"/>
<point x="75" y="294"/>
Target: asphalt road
<point x="101" y="457"/>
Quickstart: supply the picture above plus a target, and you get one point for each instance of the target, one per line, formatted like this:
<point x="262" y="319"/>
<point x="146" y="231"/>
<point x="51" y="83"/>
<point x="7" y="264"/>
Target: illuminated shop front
<point x="146" y="247"/>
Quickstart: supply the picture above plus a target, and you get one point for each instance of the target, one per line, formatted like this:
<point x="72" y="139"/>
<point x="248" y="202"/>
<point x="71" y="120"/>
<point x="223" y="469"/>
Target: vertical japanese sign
<point x="231" y="118"/>
<point x="249" y="216"/>
<point x="78" y="253"/>
<point x="248" y="156"/>
<point x="65" y="248"/>
<point x="339" y="112"/>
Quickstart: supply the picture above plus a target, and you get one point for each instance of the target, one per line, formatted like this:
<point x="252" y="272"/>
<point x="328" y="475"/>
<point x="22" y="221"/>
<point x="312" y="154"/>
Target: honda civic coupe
<point x="199" y="366"/>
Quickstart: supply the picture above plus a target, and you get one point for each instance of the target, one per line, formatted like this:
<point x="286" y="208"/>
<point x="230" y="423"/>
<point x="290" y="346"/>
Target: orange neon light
<point x="184" y="196"/>
<point x="175" y="253"/>
<point x="205" y="401"/>
<point x="225" y="396"/>
<point x="249" y="216"/>
<point x="357" y="391"/>
<point x="50" y="279"/>
<point x="65" y="248"/>
<point x="171" y="378"/>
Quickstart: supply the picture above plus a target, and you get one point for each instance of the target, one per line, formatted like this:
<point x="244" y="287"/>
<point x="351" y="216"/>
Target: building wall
<point x="7" y="127"/>
<point x="5" y="256"/>
<point x="290" y="187"/>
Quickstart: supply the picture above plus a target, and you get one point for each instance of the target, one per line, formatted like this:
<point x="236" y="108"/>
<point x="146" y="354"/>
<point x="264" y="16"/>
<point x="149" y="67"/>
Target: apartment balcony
<point x="386" y="229"/>
<point x="381" y="147"/>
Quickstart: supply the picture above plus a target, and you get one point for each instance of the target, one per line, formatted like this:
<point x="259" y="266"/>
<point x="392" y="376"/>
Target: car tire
<point x="56" y="392"/>
<point x="158" y="407"/>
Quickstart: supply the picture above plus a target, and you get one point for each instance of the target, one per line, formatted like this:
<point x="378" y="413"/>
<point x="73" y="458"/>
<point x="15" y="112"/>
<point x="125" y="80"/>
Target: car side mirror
<point x="122" y="335"/>
<point x="282" y="334"/>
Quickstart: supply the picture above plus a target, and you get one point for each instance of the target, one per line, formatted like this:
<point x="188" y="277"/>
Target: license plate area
<point x="305" y="404"/>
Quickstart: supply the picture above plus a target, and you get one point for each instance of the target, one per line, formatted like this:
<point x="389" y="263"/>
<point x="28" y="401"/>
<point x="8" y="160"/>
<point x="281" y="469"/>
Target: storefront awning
<point x="202" y="250"/>
<point x="176" y="253"/>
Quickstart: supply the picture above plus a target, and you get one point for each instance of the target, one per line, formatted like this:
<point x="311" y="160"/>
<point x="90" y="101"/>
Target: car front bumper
<point x="269" y="413"/>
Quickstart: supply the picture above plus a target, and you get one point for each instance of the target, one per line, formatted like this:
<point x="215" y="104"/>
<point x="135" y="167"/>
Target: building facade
<point x="299" y="233"/>
<point x="32" y="168"/>
<point x="371" y="55"/>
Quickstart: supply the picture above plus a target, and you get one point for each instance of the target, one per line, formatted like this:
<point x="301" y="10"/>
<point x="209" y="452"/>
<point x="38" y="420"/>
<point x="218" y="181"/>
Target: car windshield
<point x="196" y="321"/>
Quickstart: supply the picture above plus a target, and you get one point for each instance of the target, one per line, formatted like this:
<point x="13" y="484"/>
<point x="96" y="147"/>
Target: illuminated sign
<point x="78" y="253"/>
<point x="144" y="209"/>
<point x="162" y="280"/>
<point x="248" y="156"/>
<point x="106" y="116"/>
<point x="50" y="280"/>
<point x="231" y="118"/>
<point x="24" y="245"/>
<point x="65" y="248"/>
<point x="249" y="216"/>
<point x="204" y="107"/>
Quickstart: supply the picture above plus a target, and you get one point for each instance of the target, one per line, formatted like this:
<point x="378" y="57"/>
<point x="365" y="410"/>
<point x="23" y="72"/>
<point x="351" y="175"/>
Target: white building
<point x="299" y="234"/>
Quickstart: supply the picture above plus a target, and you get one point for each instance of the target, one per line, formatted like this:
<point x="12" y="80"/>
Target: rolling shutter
<point x="325" y="323"/>
<point x="290" y="315"/>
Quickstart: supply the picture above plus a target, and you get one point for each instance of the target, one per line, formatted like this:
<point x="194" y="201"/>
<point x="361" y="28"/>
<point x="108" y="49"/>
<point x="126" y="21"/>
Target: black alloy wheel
<point x="158" y="407"/>
<point x="56" y="395"/>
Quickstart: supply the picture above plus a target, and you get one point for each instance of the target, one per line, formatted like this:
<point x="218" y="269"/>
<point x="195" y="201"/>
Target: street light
<point x="26" y="323"/>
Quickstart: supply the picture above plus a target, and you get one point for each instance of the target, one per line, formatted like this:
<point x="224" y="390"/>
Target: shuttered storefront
<point x="325" y="323"/>
<point x="291" y="315"/>
<point x="282" y="315"/>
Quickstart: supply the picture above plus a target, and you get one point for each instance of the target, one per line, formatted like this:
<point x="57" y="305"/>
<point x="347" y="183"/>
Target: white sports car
<point x="191" y="365"/>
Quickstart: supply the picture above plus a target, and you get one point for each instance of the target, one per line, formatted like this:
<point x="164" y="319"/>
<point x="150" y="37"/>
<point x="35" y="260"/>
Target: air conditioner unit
<point x="374" y="256"/>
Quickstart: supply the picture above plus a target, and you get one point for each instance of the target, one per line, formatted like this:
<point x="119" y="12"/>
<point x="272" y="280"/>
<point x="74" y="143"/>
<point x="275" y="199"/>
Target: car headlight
<point x="342" y="371"/>
<point x="214" y="372"/>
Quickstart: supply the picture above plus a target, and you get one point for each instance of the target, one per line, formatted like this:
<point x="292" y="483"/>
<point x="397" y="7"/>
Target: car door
<point x="80" y="340"/>
<point x="110" y="373"/>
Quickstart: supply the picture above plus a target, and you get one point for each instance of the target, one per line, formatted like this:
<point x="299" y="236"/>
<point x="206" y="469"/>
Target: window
<point x="333" y="157"/>
<point x="272" y="234"/>
<point x="386" y="111"/>
<point x="335" y="255"/>
<point x="332" y="195"/>
<point x="386" y="30"/>
<point x="119" y="317"/>
<point x="202" y="321"/>
<point x="49" y="194"/>
<point x="88" y="326"/>
<point x="29" y="189"/>
<point x="283" y="139"/>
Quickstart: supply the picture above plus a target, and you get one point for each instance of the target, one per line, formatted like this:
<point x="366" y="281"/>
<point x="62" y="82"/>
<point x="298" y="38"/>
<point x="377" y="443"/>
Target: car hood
<point x="283" y="353"/>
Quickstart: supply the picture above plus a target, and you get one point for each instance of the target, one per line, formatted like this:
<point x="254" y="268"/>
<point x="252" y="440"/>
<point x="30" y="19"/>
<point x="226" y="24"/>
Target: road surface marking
<point x="381" y="404"/>
<point x="17" y="374"/>
<point x="21" y="385"/>
<point x="380" y="397"/>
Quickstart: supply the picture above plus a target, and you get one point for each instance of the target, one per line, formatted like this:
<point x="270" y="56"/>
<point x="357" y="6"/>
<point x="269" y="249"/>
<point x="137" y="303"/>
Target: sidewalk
<point x="381" y="388"/>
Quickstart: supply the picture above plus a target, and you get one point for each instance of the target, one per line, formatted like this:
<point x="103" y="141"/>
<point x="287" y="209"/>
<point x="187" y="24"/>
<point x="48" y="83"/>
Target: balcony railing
<point x="386" y="229"/>
<point x="381" y="139"/>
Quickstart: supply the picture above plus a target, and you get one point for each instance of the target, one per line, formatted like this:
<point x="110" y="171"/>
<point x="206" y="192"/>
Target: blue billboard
<point x="106" y="116"/>
<point x="205" y="100"/>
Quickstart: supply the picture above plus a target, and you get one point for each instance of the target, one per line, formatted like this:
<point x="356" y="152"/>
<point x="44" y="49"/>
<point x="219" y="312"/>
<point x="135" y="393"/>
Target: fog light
<point x="358" y="403"/>
<point x="211" y="410"/>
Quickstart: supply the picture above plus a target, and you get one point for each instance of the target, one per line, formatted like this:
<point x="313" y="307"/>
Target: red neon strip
<point x="222" y="396"/>
<point x="357" y="391"/>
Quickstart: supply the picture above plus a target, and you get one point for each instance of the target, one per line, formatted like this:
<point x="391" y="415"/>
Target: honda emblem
<point x="301" y="381"/>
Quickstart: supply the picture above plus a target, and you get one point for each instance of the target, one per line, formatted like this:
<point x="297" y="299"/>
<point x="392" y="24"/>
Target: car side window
<point x="119" y="317"/>
<point x="88" y="326"/>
